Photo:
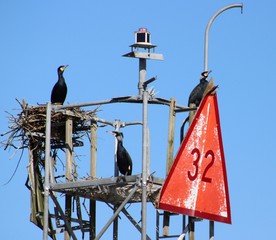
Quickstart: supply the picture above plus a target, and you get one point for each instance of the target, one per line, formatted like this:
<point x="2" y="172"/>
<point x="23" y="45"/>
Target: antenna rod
<point x="206" y="46"/>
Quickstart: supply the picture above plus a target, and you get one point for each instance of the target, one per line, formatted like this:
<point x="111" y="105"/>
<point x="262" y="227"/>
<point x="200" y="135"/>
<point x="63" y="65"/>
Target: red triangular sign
<point x="197" y="182"/>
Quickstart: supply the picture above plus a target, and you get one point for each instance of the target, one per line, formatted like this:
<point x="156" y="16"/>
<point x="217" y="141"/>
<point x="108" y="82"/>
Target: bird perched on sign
<point x="59" y="91"/>
<point x="124" y="161"/>
<point x="195" y="98"/>
<point x="197" y="94"/>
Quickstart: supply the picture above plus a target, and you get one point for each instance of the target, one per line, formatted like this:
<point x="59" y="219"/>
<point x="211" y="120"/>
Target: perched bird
<point x="124" y="161"/>
<point x="197" y="94"/>
<point x="59" y="91"/>
<point x="195" y="98"/>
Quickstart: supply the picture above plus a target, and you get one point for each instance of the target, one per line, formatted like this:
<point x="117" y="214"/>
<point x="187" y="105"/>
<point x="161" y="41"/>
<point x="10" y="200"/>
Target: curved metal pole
<point x="208" y="28"/>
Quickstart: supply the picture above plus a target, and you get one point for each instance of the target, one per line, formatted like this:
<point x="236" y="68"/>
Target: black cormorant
<point x="124" y="161"/>
<point x="197" y="94"/>
<point x="59" y="91"/>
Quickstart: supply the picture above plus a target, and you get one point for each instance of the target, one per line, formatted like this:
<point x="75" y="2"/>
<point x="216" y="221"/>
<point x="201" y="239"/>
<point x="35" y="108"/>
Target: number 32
<point x="194" y="175"/>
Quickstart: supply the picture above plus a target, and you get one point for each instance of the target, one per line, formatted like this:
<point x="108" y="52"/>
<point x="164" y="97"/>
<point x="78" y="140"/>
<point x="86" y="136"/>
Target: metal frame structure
<point x="137" y="188"/>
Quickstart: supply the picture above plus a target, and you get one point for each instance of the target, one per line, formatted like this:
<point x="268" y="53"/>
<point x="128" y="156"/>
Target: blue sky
<point x="37" y="37"/>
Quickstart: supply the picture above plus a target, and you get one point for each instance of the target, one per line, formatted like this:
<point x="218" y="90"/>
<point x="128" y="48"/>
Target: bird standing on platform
<point x="197" y="94"/>
<point x="59" y="91"/>
<point x="124" y="161"/>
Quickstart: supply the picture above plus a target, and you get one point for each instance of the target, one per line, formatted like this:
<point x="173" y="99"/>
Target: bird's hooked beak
<point x="112" y="132"/>
<point x="64" y="67"/>
<point x="205" y="74"/>
<point x="119" y="135"/>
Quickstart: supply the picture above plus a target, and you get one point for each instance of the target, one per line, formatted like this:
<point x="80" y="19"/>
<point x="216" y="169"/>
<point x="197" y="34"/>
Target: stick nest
<point x="30" y="124"/>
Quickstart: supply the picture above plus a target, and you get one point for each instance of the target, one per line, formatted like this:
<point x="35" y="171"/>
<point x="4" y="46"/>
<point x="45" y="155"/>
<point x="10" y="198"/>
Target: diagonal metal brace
<point x="67" y="225"/>
<point x="133" y="222"/>
<point x="119" y="209"/>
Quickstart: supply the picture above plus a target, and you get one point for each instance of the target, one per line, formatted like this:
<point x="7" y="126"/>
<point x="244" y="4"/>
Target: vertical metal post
<point x="190" y="219"/>
<point x="117" y="128"/>
<point x="157" y="224"/>
<point x="211" y="230"/>
<point x="148" y="152"/>
<point x="68" y="173"/>
<point x="116" y="174"/>
<point x="142" y="75"/>
<point x="93" y="158"/>
<point x="191" y="228"/>
<point x="52" y="176"/>
<point x="206" y="45"/>
<point x="170" y="149"/>
<point x="142" y="79"/>
<point x="47" y="171"/>
<point x="183" y="224"/>
<point x="144" y="165"/>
